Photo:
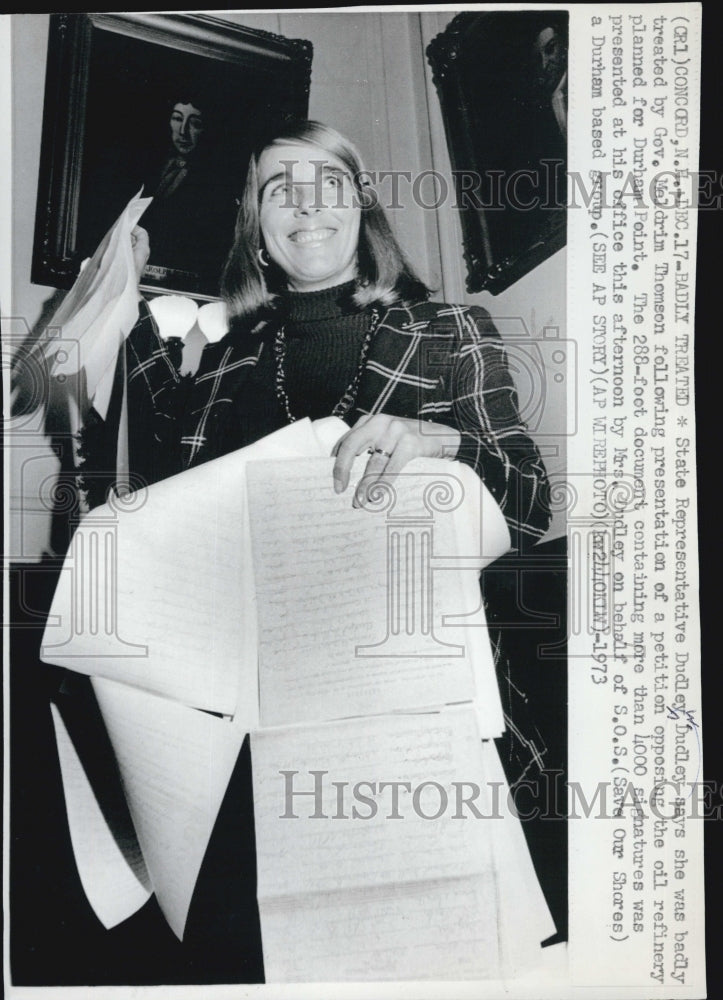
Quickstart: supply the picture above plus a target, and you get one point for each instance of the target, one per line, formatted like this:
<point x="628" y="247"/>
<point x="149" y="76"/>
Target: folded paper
<point x="249" y="588"/>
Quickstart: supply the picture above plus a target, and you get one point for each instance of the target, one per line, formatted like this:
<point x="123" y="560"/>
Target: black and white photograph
<point x="345" y="368"/>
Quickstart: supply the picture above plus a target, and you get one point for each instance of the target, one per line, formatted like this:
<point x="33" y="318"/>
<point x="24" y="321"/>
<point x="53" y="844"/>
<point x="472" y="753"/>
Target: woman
<point x="327" y="317"/>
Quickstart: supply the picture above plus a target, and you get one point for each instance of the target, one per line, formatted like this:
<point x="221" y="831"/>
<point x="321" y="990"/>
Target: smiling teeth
<point x="312" y="236"/>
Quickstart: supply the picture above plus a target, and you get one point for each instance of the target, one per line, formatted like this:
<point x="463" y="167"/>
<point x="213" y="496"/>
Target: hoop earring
<point x="263" y="257"/>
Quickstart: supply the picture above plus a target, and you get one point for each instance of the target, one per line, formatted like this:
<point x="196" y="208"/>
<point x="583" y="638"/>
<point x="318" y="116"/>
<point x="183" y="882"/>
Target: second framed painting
<point x="501" y="77"/>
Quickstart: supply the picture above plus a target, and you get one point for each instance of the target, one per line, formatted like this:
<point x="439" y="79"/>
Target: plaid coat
<point x="429" y="360"/>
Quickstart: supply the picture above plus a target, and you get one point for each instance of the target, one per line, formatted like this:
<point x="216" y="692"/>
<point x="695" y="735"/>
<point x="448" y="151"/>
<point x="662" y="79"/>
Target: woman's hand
<point x="393" y="441"/>
<point x="141" y="248"/>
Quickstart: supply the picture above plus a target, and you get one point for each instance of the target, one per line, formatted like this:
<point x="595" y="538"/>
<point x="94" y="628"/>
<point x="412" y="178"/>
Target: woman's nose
<point x="184" y="128"/>
<point x="306" y="198"/>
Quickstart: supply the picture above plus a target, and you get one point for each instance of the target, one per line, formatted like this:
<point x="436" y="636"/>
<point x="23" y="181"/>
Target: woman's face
<point x="186" y="128"/>
<point x="309" y="215"/>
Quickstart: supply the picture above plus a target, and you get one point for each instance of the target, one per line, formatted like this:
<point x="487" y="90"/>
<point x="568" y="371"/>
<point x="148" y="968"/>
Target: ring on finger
<point x="380" y="451"/>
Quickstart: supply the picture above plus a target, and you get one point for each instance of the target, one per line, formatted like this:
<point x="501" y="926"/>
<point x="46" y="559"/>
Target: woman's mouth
<point x="311" y="236"/>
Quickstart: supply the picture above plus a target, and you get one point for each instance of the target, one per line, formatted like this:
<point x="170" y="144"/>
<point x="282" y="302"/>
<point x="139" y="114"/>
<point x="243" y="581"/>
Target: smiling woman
<point x="326" y="316"/>
<point x="309" y="216"/>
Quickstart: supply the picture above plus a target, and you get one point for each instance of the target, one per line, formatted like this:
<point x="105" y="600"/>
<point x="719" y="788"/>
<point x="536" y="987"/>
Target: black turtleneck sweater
<point x="325" y="332"/>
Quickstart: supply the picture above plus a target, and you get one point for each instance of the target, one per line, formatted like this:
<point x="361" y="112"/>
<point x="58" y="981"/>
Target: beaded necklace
<point x="349" y="398"/>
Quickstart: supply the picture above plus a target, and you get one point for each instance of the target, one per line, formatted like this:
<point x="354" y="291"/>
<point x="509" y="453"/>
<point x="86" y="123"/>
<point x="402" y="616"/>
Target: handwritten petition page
<point x="176" y="763"/>
<point x="481" y="536"/>
<point x="156" y="590"/>
<point x="374" y="898"/>
<point x="349" y="614"/>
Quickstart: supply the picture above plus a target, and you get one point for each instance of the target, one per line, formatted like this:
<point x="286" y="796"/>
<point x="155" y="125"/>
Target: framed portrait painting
<point x="172" y="104"/>
<point x="502" y="84"/>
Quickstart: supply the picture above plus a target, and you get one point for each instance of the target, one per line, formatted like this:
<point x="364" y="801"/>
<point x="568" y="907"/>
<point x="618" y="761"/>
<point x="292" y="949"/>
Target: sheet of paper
<point x="363" y="852"/>
<point x="99" y="311"/>
<point x="519" y="888"/>
<point x="328" y="430"/>
<point x="156" y="589"/>
<point x="483" y="536"/>
<point x="176" y="763"/>
<point x="351" y="610"/>
<point x="114" y="877"/>
<point x="400" y="881"/>
<point x="424" y="931"/>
